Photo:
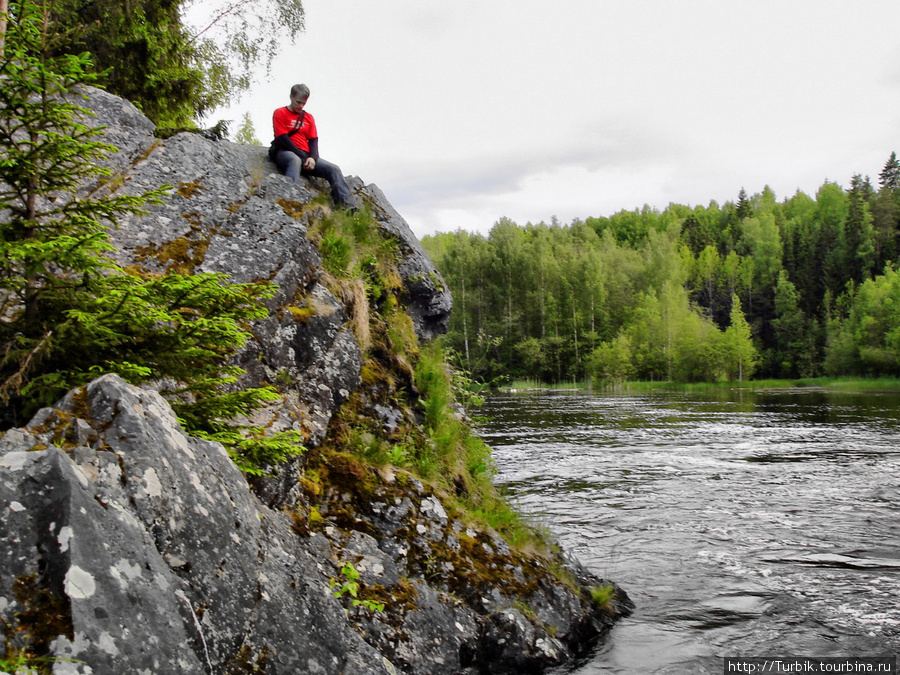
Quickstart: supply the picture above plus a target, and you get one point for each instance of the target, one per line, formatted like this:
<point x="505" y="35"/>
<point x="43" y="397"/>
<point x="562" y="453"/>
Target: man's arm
<point x="283" y="142"/>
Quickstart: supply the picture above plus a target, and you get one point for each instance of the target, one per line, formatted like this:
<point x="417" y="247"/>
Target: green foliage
<point x="432" y="379"/>
<point x="353" y="246"/>
<point x="611" y="362"/>
<point x="21" y="663"/>
<point x="177" y="71"/>
<point x="68" y="313"/>
<point x="235" y="39"/>
<point x="246" y="134"/>
<point x="603" y="596"/>
<point x="254" y="451"/>
<point x="415" y="381"/>
<point x="56" y="287"/>
<point x="466" y="391"/>
<point x="600" y="297"/>
<point x="336" y="253"/>
<point x="351" y="587"/>
<point x="741" y="358"/>
<point x="452" y="453"/>
<point x="379" y="451"/>
<point x="889" y="178"/>
<point x="867" y="340"/>
<point x="145" y="52"/>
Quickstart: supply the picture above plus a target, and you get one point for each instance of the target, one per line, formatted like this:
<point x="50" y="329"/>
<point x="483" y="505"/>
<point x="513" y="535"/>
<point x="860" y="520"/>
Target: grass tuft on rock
<point x="406" y="418"/>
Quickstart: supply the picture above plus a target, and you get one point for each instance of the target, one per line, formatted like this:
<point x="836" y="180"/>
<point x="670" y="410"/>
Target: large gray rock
<point x="230" y="211"/>
<point x="128" y="547"/>
<point x="156" y="554"/>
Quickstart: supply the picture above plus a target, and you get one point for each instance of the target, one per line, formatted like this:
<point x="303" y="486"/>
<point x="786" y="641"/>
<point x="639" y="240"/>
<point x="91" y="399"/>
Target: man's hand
<point x="309" y="164"/>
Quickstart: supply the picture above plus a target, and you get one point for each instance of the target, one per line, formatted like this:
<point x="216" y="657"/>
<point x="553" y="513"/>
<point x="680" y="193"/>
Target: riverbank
<point x="844" y="384"/>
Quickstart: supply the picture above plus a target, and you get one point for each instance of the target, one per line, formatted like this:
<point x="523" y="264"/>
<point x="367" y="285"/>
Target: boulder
<point x="153" y="552"/>
<point x="229" y="210"/>
<point x="128" y="546"/>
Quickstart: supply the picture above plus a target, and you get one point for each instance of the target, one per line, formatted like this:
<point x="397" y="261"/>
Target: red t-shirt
<point x="284" y="120"/>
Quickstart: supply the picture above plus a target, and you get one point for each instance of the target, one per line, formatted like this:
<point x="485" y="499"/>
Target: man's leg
<point x="290" y="164"/>
<point x="340" y="191"/>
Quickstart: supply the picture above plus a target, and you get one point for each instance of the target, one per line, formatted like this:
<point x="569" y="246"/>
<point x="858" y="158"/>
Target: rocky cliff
<point x="131" y="547"/>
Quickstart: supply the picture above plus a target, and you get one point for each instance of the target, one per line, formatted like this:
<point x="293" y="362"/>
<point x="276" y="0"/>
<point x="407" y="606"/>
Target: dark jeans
<point x="292" y="166"/>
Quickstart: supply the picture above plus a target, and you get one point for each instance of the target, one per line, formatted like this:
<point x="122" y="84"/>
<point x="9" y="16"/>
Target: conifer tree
<point x="744" y="207"/>
<point x="889" y="178"/>
<point x="178" y="60"/>
<point x="67" y="312"/>
<point x="51" y="242"/>
<point x="246" y="134"/>
<point x="859" y="234"/>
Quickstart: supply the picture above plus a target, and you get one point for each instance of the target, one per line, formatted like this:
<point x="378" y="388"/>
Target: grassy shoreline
<point x="842" y="384"/>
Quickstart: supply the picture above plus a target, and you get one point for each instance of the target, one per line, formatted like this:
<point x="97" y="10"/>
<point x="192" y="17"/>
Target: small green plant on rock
<point x="17" y="663"/>
<point x="398" y="456"/>
<point x="603" y="596"/>
<point x="351" y="586"/>
<point x="20" y="663"/>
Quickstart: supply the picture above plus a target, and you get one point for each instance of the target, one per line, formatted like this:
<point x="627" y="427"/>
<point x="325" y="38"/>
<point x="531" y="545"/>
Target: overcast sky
<point x="466" y="111"/>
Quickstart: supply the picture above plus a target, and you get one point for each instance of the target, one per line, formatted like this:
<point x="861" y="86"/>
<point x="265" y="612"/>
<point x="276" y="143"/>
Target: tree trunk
<point x="465" y="322"/>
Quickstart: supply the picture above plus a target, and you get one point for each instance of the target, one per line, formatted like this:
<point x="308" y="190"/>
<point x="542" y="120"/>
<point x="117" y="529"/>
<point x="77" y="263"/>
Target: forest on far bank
<point x="760" y="288"/>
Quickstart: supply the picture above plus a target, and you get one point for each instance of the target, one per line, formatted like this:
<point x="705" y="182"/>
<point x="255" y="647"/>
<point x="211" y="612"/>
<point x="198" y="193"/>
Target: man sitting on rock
<point x="295" y="149"/>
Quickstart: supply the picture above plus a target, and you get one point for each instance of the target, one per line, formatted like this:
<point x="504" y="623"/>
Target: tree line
<point x="803" y="287"/>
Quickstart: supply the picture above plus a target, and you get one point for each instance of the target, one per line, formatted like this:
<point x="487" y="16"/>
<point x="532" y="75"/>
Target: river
<point x="740" y="523"/>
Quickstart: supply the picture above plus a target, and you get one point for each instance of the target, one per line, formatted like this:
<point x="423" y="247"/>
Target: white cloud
<point x="469" y="111"/>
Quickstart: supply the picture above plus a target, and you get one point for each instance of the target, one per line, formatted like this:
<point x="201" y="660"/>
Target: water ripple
<point x="740" y="523"/>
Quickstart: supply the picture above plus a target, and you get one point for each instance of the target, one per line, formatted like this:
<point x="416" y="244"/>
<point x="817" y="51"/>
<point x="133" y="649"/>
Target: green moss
<point x="302" y="314"/>
<point x="374" y="373"/>
<point x="195" y="220"/>
<point x="43" y="618"/>
<point x="316" y="521"/>
<point x="349" y="475"/>
<point x="283" y="380"/>
<point x="176" y="250"/>
<point x="181" y="255"/>
<point x="602" y="597"/>
<point x="189" y="190"/>
<point x="247" y="661"/>
<point x="299" y="522"/>
<point x="401" y="334"/>
<point x="311" y="484"/>
<point x="299" y="210"/>
<point x="81" y="405"/>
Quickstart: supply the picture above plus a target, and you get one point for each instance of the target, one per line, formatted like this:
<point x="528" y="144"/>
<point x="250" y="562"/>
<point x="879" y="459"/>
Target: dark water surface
<point x="740" y="523"/>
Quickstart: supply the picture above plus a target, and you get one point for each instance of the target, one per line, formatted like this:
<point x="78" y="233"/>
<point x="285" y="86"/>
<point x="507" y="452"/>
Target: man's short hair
<point x="300" y="90"/>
